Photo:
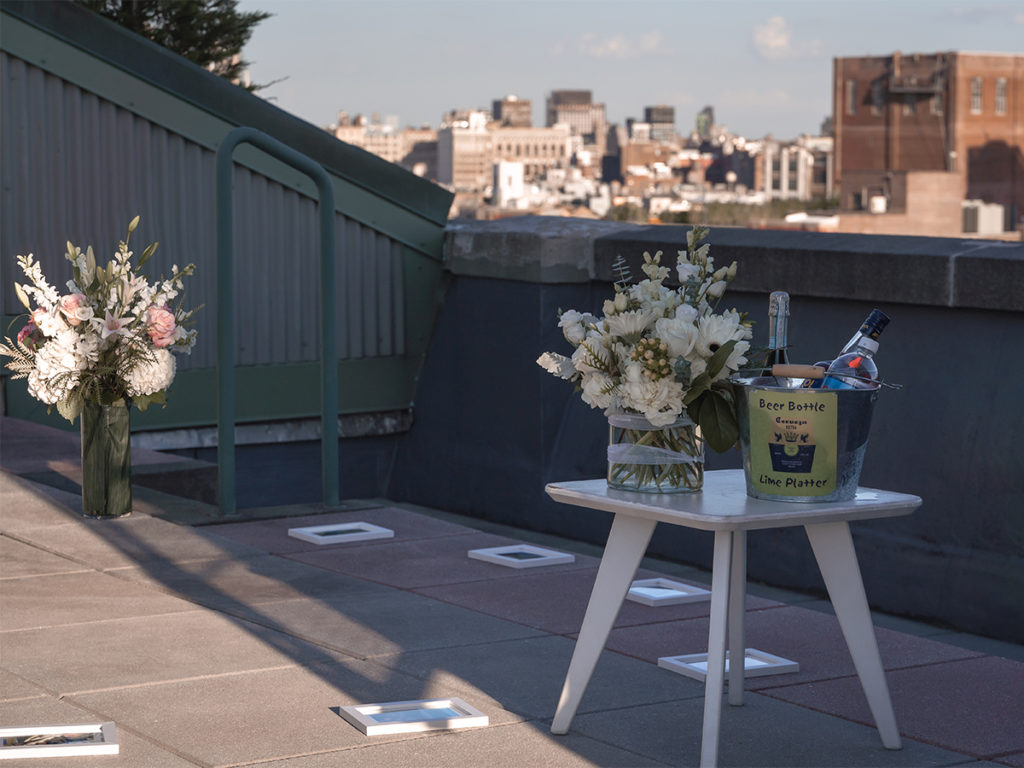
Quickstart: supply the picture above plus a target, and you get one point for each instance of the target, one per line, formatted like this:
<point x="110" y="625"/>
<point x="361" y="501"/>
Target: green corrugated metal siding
<point x="99" y="125"/>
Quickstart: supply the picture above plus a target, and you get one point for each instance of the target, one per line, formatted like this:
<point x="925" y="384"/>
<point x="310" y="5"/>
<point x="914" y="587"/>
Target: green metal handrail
<point x="226" y="320"/>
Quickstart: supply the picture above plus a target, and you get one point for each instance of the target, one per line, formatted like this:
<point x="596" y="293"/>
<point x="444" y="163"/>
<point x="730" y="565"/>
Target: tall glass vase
<point x="650" y="459"/>
<point x="106" y="460"/>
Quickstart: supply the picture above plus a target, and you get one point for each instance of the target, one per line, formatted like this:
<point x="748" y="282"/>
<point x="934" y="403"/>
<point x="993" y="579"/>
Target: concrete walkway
<point x="234" y="644"/>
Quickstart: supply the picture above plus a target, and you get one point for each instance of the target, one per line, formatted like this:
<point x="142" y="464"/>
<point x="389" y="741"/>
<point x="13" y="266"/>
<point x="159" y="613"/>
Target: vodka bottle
<point x="854" y="368"/>
<point x="778" y="329"/>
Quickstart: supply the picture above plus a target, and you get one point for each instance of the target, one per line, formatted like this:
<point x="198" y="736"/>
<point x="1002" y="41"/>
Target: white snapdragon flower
<point x="717" y="289"/>
<point x="685" y="270"/>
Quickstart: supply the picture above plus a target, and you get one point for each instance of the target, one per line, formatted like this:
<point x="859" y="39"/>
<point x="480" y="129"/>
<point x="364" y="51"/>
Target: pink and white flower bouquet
<point x="658" y="351"/>
<point x="108" y="339"/>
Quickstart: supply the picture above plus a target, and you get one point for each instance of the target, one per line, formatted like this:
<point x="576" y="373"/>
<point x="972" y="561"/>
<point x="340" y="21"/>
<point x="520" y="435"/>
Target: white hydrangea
<point x="659" y="400"/>
<point x="151" y="375"/>
<point x="57" y="370"/>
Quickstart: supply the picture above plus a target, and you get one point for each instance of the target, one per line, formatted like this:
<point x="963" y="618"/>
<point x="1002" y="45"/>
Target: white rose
<point x="597" y="390"/>
<point x="678" y="335"/>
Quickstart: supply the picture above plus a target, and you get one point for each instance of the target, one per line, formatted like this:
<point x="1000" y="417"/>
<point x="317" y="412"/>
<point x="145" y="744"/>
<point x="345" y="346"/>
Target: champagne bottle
<point x="855" y="367"/>
<point x="778" y="330"/>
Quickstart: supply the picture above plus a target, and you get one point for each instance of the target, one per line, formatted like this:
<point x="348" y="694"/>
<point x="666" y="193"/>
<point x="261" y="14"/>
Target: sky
<point x="764" y="65"/>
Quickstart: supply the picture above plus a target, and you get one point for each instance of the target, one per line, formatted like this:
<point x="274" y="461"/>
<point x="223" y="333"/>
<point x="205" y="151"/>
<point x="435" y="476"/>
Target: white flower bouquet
<point x="107" y="340"/>
<point x="658" y="351"/>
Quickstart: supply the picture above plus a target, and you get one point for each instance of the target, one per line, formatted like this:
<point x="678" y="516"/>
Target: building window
<point x="876" y="97"/>
<point x="975" y="95"/>
<point x="851" y="97"/>
<point x="937" y="103"/>
<point x="909" y="104"/>
<point x="1001" y="96"/>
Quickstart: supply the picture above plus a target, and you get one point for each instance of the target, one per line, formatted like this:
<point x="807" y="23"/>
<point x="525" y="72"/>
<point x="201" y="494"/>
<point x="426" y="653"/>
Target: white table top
<point x="723" y="504"/>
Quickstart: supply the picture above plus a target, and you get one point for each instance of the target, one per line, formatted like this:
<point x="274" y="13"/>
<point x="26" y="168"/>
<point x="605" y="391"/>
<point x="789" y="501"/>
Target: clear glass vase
<point x="649" y="459"/>
<point x="106" y="460"/>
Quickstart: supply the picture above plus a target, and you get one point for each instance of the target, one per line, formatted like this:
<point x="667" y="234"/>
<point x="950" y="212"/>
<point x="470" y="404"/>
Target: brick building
<point x="956" y="113"/>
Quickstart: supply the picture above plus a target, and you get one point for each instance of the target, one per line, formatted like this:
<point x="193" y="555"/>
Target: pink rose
<point x="161" y="327"/>
<point x="29" y="336"/>
<point x="69" y="306"/>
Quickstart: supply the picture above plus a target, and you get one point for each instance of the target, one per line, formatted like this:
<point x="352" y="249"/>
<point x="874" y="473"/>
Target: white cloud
<point x="773" y="40"/>
<point x="621" y="47"/>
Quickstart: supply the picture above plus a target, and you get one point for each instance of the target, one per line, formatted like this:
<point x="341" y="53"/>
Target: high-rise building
<point x="584" y="118"/>
<point x="705" y="121"/>
<point x="513" y="112"/>
<point x="662" y="120"/>
<point x="957" y="117"/>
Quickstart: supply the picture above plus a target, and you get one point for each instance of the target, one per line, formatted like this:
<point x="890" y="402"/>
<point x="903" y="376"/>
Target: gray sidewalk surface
<point x="234" y="644"/>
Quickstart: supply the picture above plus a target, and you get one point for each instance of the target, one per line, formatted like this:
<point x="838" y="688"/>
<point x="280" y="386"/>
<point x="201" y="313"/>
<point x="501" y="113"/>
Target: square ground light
<point x="422" y="563"/>
<point x="810" y="638"/>
<point x="272" y="535"/>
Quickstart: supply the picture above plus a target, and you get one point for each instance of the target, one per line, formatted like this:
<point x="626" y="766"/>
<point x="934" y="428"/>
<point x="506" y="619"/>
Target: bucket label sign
<point x="793" y="442"/>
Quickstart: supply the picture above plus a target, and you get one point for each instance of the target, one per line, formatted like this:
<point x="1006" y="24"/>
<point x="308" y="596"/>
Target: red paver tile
<point x="424" y="562"/>
<point x="272" y="535"/>
<point x="972" y="706"/>
<point x="556" y="601"/>
<point x="810" y="638"/>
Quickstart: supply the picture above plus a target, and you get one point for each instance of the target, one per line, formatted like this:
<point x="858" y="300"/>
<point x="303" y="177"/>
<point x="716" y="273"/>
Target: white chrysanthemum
<point x="597" y="390"/>
<point x="679" y="335"/>
<point x="151" y="375"/>
<point x="629" y="324"/>
<point x="659" y="400"/>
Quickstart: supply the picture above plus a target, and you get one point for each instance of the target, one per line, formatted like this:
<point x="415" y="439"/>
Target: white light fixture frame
<point x="86" y="739"/>
<point x="662" y="591"/>
<point x="341" y="533"/>
<point x="413" y="716"/>
<point x="755" y="664"/>
<point x="521" y="556"/>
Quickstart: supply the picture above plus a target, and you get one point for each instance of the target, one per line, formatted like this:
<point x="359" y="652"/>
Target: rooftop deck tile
<point x="972" y="705"/>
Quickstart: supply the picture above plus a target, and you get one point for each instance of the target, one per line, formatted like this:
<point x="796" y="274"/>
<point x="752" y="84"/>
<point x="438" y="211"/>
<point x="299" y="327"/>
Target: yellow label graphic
<point x="793" y="442"/>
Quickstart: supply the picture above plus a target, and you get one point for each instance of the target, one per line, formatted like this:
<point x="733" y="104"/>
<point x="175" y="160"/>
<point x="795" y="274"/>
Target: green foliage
<point x="627" y="213"/>
<point x="210" y="33"/>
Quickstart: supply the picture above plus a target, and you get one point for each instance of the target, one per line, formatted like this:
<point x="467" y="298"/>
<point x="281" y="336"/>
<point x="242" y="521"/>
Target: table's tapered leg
<point x="720" y="582"/>
<point x="626" y="545"/>
<point x="737" y="607"/>
<point x="837" y="560"/>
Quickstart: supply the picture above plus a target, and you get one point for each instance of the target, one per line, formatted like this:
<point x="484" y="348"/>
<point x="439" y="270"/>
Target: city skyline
<point x="765" y="67"/>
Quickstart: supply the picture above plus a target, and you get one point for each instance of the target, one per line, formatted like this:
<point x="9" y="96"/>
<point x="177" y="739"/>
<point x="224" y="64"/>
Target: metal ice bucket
<point x="802" y="444"/>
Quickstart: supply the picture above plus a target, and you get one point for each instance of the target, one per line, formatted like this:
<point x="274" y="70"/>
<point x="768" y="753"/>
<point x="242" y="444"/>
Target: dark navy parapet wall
<point x="491" y="428"/>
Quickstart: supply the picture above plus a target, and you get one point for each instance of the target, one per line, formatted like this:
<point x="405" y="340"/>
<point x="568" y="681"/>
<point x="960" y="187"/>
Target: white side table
<point x="724" y="507"/>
